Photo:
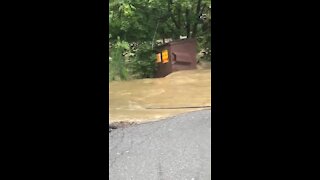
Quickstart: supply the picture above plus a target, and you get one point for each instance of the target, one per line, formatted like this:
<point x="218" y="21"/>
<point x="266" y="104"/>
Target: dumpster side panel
<point x="185" y="54"/>
<point x="182" y="56"/>
<point x="163" y="69"/>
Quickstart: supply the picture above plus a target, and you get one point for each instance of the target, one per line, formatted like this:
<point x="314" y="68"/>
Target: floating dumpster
<point x="175" y="56"/>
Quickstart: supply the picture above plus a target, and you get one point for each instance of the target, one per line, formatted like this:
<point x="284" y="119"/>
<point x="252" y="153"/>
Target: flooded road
<point x="153" y="99"/>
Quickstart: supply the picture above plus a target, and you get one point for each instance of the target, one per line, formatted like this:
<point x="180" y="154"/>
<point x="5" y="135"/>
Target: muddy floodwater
<point x="153" y="99"/>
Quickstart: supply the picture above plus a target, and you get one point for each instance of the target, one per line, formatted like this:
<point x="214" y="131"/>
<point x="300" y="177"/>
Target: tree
<point x="140" y="22"/>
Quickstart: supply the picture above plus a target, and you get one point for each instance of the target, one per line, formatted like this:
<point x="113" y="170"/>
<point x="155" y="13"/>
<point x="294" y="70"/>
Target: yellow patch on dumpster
<point x="165" y="56"/>
<point x="158" y="58"/>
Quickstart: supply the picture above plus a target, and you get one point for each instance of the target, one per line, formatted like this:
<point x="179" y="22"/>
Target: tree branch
<point x="171" y="14"/>
<point x="202" y="9"/>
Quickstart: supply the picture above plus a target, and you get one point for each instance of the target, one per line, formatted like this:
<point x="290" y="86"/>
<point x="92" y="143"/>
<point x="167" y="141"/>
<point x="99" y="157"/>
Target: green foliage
<point x="117" y="64"/>
<point x="143" y="65"/>
<point x="141" y="22"/>
<point x="130" y="62"/>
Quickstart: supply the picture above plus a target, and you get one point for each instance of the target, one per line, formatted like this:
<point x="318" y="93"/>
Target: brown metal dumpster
<point x="175" y="56"/>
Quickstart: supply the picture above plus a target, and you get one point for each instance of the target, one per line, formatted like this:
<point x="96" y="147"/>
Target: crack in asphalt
<point x="160" y="172"/>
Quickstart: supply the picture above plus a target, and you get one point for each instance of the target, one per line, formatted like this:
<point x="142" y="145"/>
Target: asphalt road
<point x="177" y="148"/>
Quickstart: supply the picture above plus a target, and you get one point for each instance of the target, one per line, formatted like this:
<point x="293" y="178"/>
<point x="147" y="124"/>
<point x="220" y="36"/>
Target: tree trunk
<point x="179" y="15"/>
<point x="176" y="33"/>
<point x="188" y="28"/>
<point x="194" y="30"/>
<point x="171" y="14"/>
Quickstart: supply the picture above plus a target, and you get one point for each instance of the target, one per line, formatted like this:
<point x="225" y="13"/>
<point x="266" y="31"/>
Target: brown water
<point x="153" y="99"/>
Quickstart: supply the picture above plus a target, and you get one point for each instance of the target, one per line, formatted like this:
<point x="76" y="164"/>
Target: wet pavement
<point x="175" y="148"/>
<point x="153" y="99"/>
